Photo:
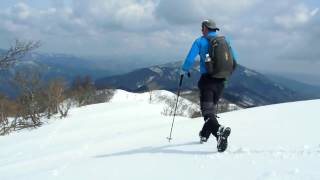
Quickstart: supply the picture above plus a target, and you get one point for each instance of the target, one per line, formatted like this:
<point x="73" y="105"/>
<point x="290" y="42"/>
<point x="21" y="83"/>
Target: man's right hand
<point x="183" y="73"/>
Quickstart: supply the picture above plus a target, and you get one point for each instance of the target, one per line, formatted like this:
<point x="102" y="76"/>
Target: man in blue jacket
<point x="210" y="88"/>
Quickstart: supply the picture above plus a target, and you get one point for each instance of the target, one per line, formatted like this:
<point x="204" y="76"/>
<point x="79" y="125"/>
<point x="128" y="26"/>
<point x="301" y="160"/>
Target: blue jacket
<point x="200" y="47"/>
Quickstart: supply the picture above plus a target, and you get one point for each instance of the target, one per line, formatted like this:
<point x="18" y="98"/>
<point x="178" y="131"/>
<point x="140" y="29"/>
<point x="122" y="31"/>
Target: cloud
<point x="304" y="42"/>
<point x="297" y="16"/>
<point x="23" y="10"/>
<point x="179" y="11"/>
<point x="57" y="3"/>
<point x="185" y="12"/>
<point x="22" y="20"/>
<point x="136" y="16"/>
<point x="125" y="15"/>
<point x="262" y="32"/>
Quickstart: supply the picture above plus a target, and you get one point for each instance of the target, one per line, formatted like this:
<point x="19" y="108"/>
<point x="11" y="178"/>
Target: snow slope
<point x="126" y="139"/>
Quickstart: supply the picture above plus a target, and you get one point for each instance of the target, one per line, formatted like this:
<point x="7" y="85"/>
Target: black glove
<point x="182" y="73"/>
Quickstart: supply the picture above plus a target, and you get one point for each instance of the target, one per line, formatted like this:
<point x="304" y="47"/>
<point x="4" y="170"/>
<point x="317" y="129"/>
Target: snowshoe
<point x="223" y="134"/>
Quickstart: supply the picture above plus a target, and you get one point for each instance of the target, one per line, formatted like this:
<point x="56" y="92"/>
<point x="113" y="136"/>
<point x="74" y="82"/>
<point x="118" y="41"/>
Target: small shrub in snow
<point x="4" y="122"/>
<point x="184" y="107"/>
<point x="64" y="108"/>
<point x="103" y="96"/>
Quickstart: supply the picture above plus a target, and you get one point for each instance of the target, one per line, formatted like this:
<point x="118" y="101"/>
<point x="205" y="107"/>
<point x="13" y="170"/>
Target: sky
<point x="270" y="36"/>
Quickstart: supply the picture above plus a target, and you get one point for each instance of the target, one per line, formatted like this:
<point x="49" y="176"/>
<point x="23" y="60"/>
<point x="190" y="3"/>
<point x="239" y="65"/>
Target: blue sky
<point x="271" y="36"/>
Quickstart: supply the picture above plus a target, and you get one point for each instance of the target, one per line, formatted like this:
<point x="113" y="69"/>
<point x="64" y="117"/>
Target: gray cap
<point x="210" y="24"/>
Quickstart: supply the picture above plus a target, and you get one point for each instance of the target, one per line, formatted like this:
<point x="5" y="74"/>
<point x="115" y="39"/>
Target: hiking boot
<point x="223" y="134"/>
<point x="202" y="138"/>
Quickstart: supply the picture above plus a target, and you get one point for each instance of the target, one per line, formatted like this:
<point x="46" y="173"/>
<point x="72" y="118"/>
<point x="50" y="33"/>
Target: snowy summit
<point x="126" y="139"/>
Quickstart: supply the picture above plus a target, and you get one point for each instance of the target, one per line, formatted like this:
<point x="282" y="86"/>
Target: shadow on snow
<point x="159" y="150"/>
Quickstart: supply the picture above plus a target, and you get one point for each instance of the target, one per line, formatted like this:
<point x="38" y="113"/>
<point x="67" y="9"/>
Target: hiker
<point x="210" y="85"/>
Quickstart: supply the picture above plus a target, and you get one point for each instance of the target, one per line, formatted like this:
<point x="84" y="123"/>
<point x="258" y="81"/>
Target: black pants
<point x="210" y="92"/>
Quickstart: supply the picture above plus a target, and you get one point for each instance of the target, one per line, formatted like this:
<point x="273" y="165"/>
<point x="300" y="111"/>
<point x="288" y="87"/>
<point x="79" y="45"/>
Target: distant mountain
<point x="246" y="87"/>
<point x="66" y="65"/>
<point x="51" y="66"/>
<point x="309" y="90"/>
<point x="165" y="77"/>
<point x="309" y="79"/>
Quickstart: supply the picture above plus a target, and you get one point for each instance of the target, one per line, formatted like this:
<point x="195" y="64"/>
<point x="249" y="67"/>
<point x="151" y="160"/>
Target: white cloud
<point x="136" y="16"/>
<point x="296" y="17"/>
<point x="14" y="27"/>
<point x="125" y="15"/>
<point x="23" y="10"/>
<point x="18" y="12"/>
<point x="261" y="31"/>
<point x="314" y="12"/>
<point x="179" y="11"/>
<point x="186" y="12"/>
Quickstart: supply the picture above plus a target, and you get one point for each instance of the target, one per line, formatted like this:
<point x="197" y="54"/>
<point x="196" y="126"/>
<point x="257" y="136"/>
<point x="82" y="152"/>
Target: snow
<point x="124" y="96"/>
<point x="250" y="72"/>
<point x="233" y="107"/>
<point x="126" y="139"/>
<point x="150" y="79"/>
<point x="157" y="70"/>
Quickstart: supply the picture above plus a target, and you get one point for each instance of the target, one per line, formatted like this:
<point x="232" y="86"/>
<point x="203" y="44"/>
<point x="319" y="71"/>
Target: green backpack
<point x="220" y="63"/>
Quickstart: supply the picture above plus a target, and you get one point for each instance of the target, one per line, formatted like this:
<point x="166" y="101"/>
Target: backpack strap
<point x="211" y="40"/>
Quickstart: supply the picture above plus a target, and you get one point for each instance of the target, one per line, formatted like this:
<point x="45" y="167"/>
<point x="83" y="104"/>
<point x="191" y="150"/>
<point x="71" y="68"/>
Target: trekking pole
<point x="175" y="109"/>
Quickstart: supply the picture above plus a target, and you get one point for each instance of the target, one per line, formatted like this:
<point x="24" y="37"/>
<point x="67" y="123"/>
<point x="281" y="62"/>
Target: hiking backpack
<point x="220" y="62"/>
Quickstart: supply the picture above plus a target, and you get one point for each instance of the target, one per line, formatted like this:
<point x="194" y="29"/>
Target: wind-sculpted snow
<point x="126" y="139"/>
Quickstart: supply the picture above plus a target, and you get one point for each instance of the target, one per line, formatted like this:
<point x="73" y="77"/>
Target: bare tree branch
<point x="16" y="52"/>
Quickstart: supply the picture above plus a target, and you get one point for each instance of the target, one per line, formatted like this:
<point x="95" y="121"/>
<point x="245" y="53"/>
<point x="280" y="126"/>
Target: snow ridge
<point x="126" y="139"/>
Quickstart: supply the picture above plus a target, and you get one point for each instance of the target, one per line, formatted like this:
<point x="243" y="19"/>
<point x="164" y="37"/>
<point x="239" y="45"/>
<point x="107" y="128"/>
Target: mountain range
<point x="246" y="87"/>
<point x="52" y="65"/>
